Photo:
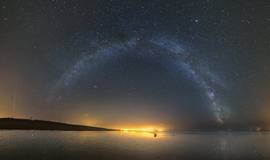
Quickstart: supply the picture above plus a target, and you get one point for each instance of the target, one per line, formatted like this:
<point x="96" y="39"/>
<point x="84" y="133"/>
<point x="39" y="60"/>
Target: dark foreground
<point x="28" y="124"/>
<point x="55" y="145"/>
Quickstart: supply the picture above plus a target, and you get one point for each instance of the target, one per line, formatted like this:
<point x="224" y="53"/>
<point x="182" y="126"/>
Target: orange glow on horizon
<point x="143" y="129"/>
<point x="147" y="132"/>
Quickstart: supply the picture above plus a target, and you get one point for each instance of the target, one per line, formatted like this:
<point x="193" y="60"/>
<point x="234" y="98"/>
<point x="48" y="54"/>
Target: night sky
<point x="172" y="63"/>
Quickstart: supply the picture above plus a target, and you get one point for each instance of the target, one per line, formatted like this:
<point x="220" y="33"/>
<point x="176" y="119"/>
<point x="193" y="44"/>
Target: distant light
<point x="149" y="130"/>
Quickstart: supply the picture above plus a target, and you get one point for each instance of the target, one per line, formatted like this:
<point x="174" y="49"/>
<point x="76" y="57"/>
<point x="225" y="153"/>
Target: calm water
<point x="50" y="145"/>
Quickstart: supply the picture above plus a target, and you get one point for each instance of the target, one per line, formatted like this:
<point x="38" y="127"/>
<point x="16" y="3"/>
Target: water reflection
<point x="50" y="145"/>
<point x="144" y="133"/>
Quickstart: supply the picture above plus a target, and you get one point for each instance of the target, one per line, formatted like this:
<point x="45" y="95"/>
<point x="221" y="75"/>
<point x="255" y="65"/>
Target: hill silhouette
<point x="29" y="124"/>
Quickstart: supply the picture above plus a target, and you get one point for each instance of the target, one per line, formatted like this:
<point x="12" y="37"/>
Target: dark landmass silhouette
<point x="29" y="124"/>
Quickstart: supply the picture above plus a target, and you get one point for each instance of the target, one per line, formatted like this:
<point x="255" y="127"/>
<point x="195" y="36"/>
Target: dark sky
<point x="172" y="64"/>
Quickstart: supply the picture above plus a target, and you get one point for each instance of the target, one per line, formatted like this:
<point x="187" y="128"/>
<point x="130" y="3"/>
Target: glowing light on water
<point x="144" y="131"/>
<point x="150" y="130"/>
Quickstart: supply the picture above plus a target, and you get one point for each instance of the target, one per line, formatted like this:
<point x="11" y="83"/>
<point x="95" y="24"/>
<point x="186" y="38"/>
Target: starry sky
<point x="169" y="63"/>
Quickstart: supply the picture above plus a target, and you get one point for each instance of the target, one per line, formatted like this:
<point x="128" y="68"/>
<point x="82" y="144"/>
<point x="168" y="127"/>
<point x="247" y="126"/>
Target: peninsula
<point x="29" y="124"/>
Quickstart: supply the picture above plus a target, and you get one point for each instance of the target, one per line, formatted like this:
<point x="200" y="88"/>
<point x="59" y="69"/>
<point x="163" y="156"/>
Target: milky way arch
<point x="180" y="60"/>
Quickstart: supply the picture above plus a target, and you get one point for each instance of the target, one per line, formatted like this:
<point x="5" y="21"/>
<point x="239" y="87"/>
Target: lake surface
<point x="61" y="145"/>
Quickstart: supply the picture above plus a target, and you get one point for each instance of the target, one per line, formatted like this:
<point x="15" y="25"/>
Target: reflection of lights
<point x="149" y="130"/>
<point x="153" y="131"/>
